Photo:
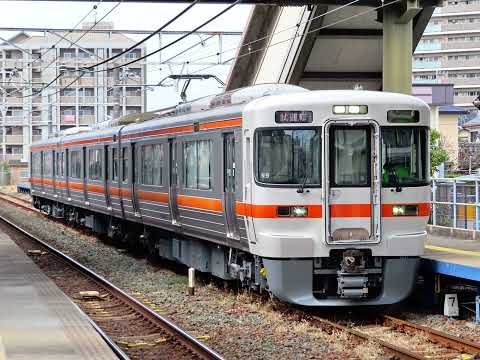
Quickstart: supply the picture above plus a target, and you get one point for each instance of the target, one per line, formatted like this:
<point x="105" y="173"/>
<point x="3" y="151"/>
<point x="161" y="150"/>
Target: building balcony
<point x="67" y="99"/>
<point x="37" y="119"/>
<point x="417" y="64"/>
<point x="460" y="27"/>
<point x="66" y="119"/>
<point x="66" y="80"/>
<point x="86" y="119"/>
<point x="459" y="8"/>
<point x="460" y="63"/>
<point x="462" y="81"/>
<point x="433" y="28"/>
<point x="86" y="100"/>
<point x="8" y="157"/>
<point x="134" y="100"/>
<point x="14" y="100"/>
<point x="13" y="120"/>
<point x="463" y="99"/>
<point x="14" y="63"/>
<point x="425" y="81"/>
<point x="86" y="81"/>
<point x="14" y="139"/>
<point x="36" y="138"/>
<point x="460" y="44"/>
<point x="133" y="80"/>
<point x="111" y="100"/>
<point x="429" y="46"/>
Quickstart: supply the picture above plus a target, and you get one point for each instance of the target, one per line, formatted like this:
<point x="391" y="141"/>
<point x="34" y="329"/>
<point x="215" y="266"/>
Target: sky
<point x="144" y="16"/>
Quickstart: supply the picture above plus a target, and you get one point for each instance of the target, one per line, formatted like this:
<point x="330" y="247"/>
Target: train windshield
<point x="288" y="156"/>
<point x="404" y="156"/>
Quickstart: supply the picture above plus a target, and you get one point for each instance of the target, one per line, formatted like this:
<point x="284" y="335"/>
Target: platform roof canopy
<point x="336" y="47"/>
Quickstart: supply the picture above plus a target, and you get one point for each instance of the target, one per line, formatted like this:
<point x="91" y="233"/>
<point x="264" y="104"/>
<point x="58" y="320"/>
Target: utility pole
<point x="117" y="93"/>
<point x="50" y="115"/>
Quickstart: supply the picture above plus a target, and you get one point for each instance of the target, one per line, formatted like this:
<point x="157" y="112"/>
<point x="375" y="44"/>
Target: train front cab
<point x="352" y="195"/>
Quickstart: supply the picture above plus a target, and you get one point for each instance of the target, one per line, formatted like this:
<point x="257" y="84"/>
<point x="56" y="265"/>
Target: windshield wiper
<point x="301" y="188"/>
<point x="396" y="182"/>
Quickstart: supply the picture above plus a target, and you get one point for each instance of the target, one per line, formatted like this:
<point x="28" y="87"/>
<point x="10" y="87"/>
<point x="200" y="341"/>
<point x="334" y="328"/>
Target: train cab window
<point x="152" y="164"/>
<point x="125" y="164"/>
<point x="197" y="164"/>
<point x="350" y="156"/>
<point x="288" y="156"/>
<point x="75" y="164"/>
<point x="404" y="161"/>
<point x="95" y="164"/>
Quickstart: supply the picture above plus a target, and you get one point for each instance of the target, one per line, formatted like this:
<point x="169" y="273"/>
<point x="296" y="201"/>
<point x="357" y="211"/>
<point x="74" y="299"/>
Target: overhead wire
<point x="147" y="55"/>
<point x="34" y="93"/>
<point x="172" y="20"/>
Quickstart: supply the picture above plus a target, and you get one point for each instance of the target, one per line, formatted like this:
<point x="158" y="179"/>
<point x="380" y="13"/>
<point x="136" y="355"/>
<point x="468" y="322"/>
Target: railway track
<point x="423" y="342"/>
<point x="433" y="344"/>
<point x="133" y="330"/>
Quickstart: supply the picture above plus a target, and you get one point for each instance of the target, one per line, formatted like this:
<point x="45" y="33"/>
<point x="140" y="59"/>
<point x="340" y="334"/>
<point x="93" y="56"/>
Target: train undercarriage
<point x="347" y="277"/>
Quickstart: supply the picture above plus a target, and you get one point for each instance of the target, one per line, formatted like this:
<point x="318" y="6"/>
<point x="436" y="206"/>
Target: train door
<point x="67" y="172"/>
<point x="134" y="187"/>
<point x="84" y="175"/>
<point x="230" y="186"/>
<point x="173" y="181"/>
<point x="352" y="182"/>
<point x="106" y="177"/>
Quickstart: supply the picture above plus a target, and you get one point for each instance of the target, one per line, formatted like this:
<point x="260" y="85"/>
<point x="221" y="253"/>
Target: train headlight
<point x="350" y="109"/>
<point x="405" y="210"/>
<point x="299" y="211"/>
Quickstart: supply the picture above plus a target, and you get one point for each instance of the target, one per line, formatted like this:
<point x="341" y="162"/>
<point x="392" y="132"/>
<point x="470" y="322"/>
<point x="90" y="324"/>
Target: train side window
<point x="75" y="164"/>
<point x="152" y="164"/>
<point x="59" y="164"/>
<point x="115" y="164"/>
<point x="197" y="164"/>
<point x="36" y="164"/>
<point x="47" y="163"/>
<point x="95" y="164"/>
<point x="125" y="164"/>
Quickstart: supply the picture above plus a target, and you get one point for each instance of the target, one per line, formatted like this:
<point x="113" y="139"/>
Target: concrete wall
<point x="448" y="127"/>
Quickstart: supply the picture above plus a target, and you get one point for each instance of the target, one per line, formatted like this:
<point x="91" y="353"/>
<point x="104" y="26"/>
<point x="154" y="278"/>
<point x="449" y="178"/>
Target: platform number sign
<point x="450" y="307"/>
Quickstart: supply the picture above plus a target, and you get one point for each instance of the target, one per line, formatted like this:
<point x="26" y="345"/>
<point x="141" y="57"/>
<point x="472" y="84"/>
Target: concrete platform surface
<point x="37" y="320"/>
<point x="452" y="256"/>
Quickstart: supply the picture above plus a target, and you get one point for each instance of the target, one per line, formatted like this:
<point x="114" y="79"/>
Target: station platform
<point x="37" y="320"/>
<point x="452" y="256"/>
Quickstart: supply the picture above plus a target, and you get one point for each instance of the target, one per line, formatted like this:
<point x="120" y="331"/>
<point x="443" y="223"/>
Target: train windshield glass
<point x="404" y="156"/>
<point x="288" y="156"/>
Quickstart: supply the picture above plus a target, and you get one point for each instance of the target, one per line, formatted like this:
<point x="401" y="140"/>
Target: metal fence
<point x="455" y="203"/>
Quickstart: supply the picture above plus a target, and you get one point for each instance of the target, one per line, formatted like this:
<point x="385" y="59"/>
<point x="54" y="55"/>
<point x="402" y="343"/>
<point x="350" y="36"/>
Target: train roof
<point x="206" y="108"/>
<point x="231" y="104"/>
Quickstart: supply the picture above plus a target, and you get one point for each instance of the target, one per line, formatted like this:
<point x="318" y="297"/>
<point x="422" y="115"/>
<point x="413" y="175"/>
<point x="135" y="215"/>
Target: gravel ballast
<point x="238" y="326"/>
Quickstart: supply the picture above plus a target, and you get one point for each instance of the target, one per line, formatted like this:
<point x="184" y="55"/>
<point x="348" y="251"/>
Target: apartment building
<point x="30" y="62"/>
<point x="449" y="51"/>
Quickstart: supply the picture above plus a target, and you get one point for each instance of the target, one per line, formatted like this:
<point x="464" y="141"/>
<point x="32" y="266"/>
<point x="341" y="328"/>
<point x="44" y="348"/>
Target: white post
<point x="454" y="204"/>
<point x="434" y="205"/>
<point x="191" y="281"/>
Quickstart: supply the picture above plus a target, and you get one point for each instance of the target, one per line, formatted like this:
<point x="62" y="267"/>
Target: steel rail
<point x="399" y="352"/>
<point x="193" y="344"/>
<point x="436" y="336"/>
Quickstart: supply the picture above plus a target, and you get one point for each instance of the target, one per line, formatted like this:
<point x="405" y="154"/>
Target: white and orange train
<point x="320" y="197"/>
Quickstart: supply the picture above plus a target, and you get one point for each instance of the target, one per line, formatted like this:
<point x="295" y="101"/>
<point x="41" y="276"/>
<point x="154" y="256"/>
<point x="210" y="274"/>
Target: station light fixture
<point x="292" y="211"/>
<point x="350" y="109"/>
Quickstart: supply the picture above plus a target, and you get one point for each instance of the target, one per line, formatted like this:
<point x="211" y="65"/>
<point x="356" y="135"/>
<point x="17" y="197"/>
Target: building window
<point x="197" y="169"/>
<point x="75" y="164"/>
<point x="152" y="164"/>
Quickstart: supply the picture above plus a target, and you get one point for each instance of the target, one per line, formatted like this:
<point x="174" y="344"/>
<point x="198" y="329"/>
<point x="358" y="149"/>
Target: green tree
<point x="438" y="154"/>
